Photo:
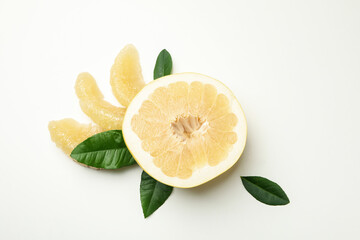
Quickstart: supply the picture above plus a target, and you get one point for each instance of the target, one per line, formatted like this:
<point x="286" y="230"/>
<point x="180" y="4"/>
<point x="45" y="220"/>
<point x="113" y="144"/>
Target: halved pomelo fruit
<point x="185" y="129"/>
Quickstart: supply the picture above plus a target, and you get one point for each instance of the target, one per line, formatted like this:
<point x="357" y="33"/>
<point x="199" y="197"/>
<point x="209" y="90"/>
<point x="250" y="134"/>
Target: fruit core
<point x="189" y="126"/>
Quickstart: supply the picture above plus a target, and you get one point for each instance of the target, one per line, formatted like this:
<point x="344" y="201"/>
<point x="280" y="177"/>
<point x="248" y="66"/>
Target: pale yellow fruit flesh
<point x="68" y="133"/>
<point x="185" y="127"/>
<point x="92" y="103"/>
<point x="126" y="77"/>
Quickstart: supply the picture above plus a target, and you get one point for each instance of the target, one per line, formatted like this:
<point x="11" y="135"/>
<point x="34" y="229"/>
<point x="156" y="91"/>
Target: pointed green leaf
<point x="265" y="191"/>
<point x="152" y="194"/>
<point x="105" y="150"/>
<point x="163" y="64"/>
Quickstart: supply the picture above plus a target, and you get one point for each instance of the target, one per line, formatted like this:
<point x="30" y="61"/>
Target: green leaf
<point x="265" y="191"/>
<point x="163" y="64"/>
<point x="152" y="194"/>
<point x="105" y="150"/>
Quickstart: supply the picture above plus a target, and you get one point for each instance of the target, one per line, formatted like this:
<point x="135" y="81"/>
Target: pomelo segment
<point x="126" y="78"/>
<point x="92" y="103"/>
<point x="68" y="133"/>
<point x="185" y="129"/>
<point x="86" y="87"/>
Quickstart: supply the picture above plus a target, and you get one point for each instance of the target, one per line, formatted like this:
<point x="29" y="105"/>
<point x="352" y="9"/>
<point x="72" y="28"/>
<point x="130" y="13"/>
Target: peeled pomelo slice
<point x="126" y="78"/>
<point x="185" y="129"/>
<point x="92" y="103"/>
<point x="68" y="133"/>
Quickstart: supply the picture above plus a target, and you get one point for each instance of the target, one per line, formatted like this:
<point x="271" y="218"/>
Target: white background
<point x="294" y="66"/>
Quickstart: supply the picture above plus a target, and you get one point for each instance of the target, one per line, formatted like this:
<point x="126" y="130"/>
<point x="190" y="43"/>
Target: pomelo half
<point x="185" y="129"/>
